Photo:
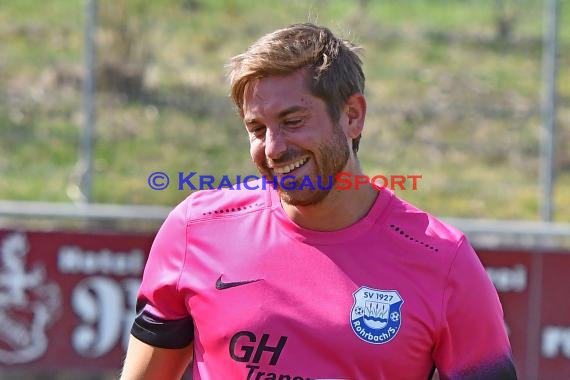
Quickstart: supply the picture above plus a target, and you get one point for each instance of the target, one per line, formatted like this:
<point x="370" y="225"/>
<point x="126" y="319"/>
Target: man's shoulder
<point x="423" y="228"/>
<point x="223" y="203"/>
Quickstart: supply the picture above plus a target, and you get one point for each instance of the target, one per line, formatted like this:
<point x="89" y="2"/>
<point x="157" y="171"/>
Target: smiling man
<point x="291" y="133"/>
<point x="298" y="282"/>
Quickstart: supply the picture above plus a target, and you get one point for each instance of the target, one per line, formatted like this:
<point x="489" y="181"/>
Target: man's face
<point x="291" y="134"/>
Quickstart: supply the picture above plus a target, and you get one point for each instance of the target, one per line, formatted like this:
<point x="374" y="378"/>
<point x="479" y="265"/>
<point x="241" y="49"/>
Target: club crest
<point x="29" y="303"/>
<point x="375" y="316"/>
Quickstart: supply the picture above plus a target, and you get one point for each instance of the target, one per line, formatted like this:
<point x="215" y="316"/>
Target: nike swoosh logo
<point x="220" y="285"/>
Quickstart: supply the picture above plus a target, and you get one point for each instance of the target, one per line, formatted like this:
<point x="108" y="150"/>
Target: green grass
<point x="447" y="100"/>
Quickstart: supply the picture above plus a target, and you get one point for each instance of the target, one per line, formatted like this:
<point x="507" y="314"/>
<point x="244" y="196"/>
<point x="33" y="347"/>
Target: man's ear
<point x="355" y="110"/>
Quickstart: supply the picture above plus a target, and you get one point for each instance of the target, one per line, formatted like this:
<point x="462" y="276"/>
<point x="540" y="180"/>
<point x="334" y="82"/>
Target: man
<point x="304" y="282"/>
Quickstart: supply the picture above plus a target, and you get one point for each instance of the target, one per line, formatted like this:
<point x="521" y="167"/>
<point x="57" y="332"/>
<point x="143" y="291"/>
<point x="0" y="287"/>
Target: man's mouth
<point x="282" y="170"/>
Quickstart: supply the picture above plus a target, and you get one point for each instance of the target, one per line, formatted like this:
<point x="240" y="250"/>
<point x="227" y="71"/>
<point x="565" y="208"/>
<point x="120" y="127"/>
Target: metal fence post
<point x="548" y="135"/>
<point x="86" y="146"/>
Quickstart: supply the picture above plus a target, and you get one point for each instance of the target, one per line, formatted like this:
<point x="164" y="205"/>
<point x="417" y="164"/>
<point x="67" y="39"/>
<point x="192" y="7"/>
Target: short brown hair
<point x="333" y="64"/>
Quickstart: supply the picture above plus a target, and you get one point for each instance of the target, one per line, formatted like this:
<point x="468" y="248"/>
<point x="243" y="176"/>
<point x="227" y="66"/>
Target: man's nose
<point x="275" y="144"/>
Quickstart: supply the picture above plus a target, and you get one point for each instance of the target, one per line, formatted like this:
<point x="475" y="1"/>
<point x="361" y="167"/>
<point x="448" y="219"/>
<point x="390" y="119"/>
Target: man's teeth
<point x="289" y="168"/>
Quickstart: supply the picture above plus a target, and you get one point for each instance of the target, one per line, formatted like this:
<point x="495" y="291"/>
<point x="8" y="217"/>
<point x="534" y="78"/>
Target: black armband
<point x="163" y="333"/>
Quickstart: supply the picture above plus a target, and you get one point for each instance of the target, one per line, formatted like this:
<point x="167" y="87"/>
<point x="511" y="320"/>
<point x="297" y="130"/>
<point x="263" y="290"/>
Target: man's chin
<point x="302" y="198"/>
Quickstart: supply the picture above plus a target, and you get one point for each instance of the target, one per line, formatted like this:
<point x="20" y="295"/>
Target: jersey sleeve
<point x="472" y="342"/>
<point x="162" y="318"/>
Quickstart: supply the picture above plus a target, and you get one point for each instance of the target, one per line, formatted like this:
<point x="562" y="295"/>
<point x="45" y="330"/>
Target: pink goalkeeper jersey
<point x="390" y="297"/>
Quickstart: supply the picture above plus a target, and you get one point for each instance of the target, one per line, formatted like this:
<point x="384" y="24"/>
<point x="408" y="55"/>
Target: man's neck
<point x="340" y="209"/>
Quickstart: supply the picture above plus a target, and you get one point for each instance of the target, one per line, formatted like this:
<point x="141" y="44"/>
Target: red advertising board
<point x="553" y="308"/>
<point x="67" y="301"/>
<point x="534" y="288"/>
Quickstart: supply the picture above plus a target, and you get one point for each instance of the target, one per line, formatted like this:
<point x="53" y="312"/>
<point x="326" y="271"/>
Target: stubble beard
<point x="330" y="160"/>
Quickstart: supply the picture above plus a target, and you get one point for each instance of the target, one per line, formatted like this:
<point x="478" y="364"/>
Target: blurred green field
<point x="453" y="88"/>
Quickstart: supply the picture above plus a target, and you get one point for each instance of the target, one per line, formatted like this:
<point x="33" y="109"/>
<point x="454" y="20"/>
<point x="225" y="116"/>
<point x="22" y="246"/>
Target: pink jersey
<point x="391" y="297"/>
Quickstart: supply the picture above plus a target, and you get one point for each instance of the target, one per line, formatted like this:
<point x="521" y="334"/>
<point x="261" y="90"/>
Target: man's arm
<point x="472" y="342"/>
<point x="146" y="362"/>
<point x="161" y="341"/>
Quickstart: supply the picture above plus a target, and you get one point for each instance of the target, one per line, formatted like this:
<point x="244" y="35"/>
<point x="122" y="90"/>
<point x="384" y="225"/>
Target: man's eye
<point x="293" y="122"/>
<point x="258" y="131"/>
